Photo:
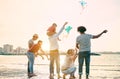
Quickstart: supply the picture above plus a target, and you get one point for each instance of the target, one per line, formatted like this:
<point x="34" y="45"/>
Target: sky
<point x="20" y="19"/>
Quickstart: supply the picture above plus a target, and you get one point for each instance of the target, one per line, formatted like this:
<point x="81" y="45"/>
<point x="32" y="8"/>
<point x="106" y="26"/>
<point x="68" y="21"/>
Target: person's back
<point x="68" y="62"/>
<point x="84" y="41"/>
<point x="53" y="42"/>
<point x="54" y="49"/>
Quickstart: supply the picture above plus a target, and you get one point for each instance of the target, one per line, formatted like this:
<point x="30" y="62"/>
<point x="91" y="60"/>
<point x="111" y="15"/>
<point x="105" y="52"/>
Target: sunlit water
<point x="105" y="66"/>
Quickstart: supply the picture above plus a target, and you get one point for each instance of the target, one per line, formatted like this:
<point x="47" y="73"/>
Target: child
<point x="35" y="48"/>
<point x="68" y="66"/>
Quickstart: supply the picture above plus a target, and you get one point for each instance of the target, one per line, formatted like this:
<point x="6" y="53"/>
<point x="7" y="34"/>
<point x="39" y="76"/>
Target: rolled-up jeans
<point x="70" y="71"/>
<point x="85" y="55"/>
<point x="31" y="58"/>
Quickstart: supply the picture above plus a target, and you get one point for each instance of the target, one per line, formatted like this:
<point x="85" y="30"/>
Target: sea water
<point x="103" y="66"/>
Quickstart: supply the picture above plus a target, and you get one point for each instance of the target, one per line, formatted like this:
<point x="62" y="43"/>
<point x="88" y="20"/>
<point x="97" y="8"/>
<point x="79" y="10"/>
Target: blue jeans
<point x="85" y="55"/>
<point x="31" y="58"/>
<point x="70" y="71"/>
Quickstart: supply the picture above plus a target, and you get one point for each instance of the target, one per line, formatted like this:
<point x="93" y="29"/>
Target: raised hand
<point x="65" y="23"/>
<point x="105" y="31"/>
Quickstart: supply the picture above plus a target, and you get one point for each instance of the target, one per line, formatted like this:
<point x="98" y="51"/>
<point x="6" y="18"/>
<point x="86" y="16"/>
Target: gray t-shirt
<point x="84" y="42"/>
<point x="30" y="43"/>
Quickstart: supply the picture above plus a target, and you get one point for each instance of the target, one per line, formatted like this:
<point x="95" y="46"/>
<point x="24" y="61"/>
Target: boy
<point x="35" y="48"/>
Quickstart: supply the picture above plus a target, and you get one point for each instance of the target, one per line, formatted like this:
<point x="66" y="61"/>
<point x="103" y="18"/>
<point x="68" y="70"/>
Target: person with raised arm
<point x="53" y="37"/>
<point x="83" y="43"/>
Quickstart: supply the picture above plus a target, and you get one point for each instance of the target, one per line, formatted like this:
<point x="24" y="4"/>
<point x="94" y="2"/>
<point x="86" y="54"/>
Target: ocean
<point x="103" y="66"/>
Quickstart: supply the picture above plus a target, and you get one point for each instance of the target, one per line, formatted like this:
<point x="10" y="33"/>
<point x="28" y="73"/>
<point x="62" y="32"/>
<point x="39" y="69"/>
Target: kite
<point x="83" y="4"/>
<point x="66" y="32"/>
<point x="68" y="28"/>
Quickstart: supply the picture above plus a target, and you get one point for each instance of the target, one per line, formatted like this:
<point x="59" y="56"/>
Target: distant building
<point x="1" y="49"/>
<point x="8" y="48"/>
<point x="20" y="50"/>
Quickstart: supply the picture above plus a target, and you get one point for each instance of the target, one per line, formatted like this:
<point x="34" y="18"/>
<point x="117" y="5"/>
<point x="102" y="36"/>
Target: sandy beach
<point x="106" y="66"/>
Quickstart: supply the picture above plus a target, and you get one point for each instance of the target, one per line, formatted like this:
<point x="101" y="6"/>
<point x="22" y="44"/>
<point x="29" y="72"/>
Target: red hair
<point x="52" y="28"/>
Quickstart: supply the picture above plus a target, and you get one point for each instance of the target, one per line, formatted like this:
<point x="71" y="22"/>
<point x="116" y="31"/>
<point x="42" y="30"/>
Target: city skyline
<point x="8" y="49"/>
<point x="20" y="19"/>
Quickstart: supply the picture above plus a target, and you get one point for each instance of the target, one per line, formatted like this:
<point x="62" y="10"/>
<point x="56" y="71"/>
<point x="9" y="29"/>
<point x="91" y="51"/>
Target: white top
<point x="84" y="42"/>
<point x="54" y="40"/>
<point x="68" y="62"/>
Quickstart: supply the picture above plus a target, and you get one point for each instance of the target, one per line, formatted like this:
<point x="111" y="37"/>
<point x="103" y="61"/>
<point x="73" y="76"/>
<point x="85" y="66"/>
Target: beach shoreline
<point x="15" y="67"/>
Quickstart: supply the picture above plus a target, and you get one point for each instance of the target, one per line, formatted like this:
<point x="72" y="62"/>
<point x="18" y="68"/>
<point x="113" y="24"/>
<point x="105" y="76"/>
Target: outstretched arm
<point x="61" y="29"/>
<point x="97" y="36"/>
<point x="74" y="56"/>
